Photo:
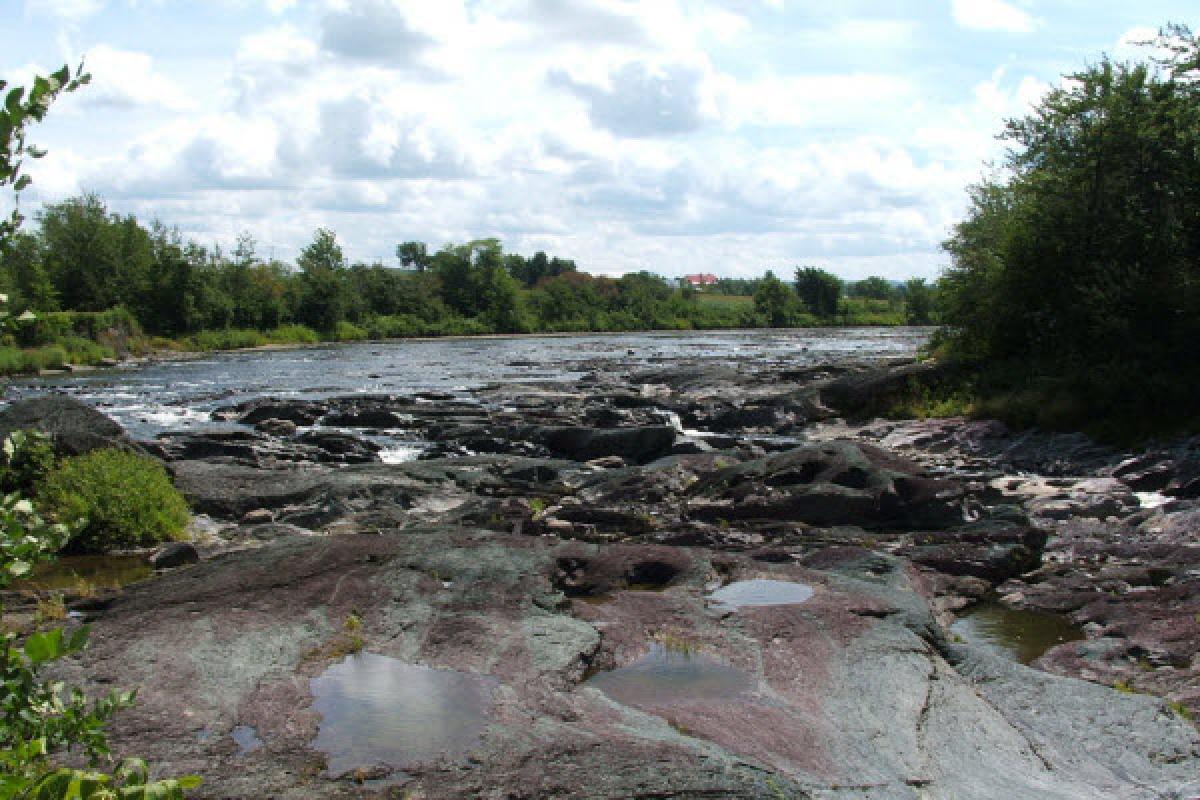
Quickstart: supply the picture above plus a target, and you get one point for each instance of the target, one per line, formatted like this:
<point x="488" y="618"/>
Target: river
<point x="153" y="398"/>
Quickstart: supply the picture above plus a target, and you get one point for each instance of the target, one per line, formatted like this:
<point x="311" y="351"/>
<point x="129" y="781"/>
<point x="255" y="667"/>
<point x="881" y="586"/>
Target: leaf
<point x="13" y="103"/>
<point x="19" y="568"/>
<point x="43" y="647"/>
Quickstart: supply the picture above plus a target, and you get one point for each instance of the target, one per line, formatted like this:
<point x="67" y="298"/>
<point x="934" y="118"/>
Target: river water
<point x="175" y="395"/>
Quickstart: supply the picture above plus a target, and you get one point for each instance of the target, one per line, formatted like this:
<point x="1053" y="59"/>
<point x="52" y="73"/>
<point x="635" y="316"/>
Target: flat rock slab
<point x="852" y="694"/>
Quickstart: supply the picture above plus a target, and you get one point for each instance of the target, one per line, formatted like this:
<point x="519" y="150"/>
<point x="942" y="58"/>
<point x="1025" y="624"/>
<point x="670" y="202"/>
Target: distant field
<point x="725" y="300"/>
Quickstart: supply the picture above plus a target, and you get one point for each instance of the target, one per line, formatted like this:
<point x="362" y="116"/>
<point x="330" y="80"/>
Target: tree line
<point x="78" y="256"/>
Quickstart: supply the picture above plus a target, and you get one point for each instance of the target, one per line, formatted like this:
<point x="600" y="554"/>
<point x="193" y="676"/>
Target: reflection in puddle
<point x="742" y="594"/>
<point x="246" y="738"/>
<point x="667" y="676"/>
<point x="380" y="712"/>
<point x="1023" y="635"/>
<point x="84" y="573"/>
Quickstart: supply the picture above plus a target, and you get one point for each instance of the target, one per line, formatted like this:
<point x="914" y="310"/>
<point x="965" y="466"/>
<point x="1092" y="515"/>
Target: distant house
<point x="700" y="279"/>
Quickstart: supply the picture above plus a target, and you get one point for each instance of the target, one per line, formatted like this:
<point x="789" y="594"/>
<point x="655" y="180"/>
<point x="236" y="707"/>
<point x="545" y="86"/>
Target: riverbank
<point x="556" y="531"/>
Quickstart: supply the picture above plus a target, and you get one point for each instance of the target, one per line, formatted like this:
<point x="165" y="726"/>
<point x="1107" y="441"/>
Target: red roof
<point x="701" y="279"/>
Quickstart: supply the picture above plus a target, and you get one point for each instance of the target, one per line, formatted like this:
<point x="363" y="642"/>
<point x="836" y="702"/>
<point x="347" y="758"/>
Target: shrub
<point x="294" y="334"/>
<point x="348" y="332"/>
<point x="116" y="498"/>
<point x="26" y="458"/>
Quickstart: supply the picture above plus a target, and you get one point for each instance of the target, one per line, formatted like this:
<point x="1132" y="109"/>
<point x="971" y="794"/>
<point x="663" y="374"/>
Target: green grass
<point x="736" y="302"/>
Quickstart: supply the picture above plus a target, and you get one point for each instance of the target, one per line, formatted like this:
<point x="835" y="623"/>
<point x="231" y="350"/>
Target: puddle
<point x="744" y="594"/>
<point x="82" y="573"/>
<point x="246" y="738"/>
<point x="1023" y="635"/>
<point x="666" y="676"/>
<point x="380" y="712"/>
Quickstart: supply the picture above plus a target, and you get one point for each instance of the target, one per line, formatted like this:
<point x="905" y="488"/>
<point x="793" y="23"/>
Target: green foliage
<point x="874" y="287"/>
<point x="116" y="498"/>
<point x="349" y="332"/>
<point x="19" y="109"/>
<point x="1082" y="259"/>
<point x="25" y="459"/>
<point x="776" y="302"/>
<point x="25" y="538"/>
<point x="820" y="291"/>
<point x="919" y="300"/>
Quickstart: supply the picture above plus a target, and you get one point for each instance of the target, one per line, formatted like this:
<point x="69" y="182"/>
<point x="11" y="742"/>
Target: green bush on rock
<point x="117" y="498"/>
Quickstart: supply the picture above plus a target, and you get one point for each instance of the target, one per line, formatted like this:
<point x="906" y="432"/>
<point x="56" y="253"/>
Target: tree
<point x="413" y="254"/>
<point x="1082" y="258"/>
<point x="820" y="291"/>
<point x="323" y="300"/>
<point x="775" y="301"/>
<point x="918" y="297"/>
<point x="874" y="287"/>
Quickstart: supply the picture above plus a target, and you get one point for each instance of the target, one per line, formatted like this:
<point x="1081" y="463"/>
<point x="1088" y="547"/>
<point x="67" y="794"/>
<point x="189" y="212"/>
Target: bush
<point x="348" y="332"/>
<point x="117" y="498"/>
<point x="294" y="334"/>
<point x="26" y="458"/>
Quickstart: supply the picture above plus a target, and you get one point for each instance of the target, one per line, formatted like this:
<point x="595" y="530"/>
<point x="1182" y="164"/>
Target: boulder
<point x="581" y="443"/>
<point x="174" y="554"/>
<point x="74" y="427"/>
<point x="835" y="483"/>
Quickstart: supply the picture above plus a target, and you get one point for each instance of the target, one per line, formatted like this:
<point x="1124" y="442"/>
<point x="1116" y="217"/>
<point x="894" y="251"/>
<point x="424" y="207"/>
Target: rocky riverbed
<point x="562" y="576"/>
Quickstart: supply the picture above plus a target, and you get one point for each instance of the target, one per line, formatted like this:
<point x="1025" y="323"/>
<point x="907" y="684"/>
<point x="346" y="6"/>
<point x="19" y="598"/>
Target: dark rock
<point x="993" y="553"/>
<point x="584" y="444"/>
<point x="174" y="554"/>
<point x="74" y="427"/>
<point x="342" y="448"/>
<point x="364" y="418"/>
<point x="837" y="483"/>
<point x="276" y="427"/>
<point x="301" y="412"/>
<point x="868" y="393"/>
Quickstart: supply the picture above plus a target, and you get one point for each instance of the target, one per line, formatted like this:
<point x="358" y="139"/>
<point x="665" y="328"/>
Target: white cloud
<point x="128" y="79"/>
<point x="992" y="15"/>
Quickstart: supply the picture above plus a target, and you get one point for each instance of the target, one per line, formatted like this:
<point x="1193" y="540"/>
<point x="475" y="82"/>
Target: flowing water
<point x="179" y="395"/>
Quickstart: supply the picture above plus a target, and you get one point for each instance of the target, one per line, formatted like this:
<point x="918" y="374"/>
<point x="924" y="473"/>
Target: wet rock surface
<point x="550" y="534"/>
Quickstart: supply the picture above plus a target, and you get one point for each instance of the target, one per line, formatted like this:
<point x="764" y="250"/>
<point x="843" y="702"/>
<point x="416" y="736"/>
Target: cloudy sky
<point x="727" y="136"/>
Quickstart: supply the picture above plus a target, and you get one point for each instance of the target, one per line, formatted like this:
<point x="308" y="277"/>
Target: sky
<point x="678" y="136"/>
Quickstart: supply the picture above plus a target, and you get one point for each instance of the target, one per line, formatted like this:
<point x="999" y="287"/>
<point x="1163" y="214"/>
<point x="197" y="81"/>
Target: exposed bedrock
<point x="853" y="693"/>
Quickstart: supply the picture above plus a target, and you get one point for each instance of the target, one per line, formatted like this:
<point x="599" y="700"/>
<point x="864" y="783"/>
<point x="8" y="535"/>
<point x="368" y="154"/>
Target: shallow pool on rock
<point x="1024" y="635"/>
<point x="380" y="712"/>
<point x="760" y="592"/>
<point x="86" y="573"/>
<point x="671" y="675"/>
